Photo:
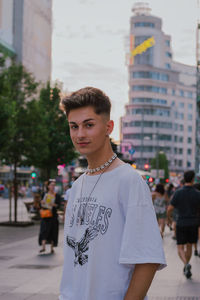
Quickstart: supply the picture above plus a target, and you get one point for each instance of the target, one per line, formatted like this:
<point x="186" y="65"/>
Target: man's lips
<point x="82" y="144"/>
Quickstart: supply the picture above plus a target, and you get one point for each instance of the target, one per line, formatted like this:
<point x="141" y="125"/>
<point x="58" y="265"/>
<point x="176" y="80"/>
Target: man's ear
<point x="110" y="126"/>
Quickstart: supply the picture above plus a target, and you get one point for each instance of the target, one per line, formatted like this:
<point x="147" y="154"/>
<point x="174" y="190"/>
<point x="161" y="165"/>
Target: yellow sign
<point x="143" y="47"/>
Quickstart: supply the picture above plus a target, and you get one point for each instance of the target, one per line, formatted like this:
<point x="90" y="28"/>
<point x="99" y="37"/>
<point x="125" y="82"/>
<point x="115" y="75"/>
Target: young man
<point x="112" y="244"/>
<point x="186" y="200"/>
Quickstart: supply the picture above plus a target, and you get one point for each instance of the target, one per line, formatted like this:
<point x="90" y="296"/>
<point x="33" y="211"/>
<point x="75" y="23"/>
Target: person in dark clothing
<point x="197" y="186"/>
<point x="49" y="225"/>
<point x="187" y="202"/>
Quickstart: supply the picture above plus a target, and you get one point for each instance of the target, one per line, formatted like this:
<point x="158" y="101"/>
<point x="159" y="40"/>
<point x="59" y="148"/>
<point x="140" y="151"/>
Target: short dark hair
<point x="189" y="176"/>
<point x="160" y="188"/>
<point x="84" y="97"/>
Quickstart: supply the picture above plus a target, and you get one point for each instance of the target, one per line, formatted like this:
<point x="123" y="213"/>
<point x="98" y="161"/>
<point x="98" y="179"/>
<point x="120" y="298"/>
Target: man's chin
<point x="83" y="151"/>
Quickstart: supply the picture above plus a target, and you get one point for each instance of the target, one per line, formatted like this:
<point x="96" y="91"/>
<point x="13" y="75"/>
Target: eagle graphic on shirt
<point x="82" y="246"/>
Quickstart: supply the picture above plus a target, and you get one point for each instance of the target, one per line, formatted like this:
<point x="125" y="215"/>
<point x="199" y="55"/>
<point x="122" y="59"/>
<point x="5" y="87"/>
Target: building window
<point x="168" y="66"/>
<point x="189" y="105"/>
<point x="175" y="126"/>
<point x="180" y="151"/>
<point x="189" y="94"/>
<point x="149" y="100"/>
<point x="189" y="140"/>
<point x="180" y="139"/>
<point x="189" y="151"/>
<point x="188" y="164"/>
<point x="144" y="24"/>
<point x="173" y="92"/>
<point x="180" y="163"/>
<point x="168" y="54"/>
<point x="149" y="88"/>
<point x="181" y="93"/>
<point x="181" y="105"/>
<point x="151" y="111"/>
<point x="181" y="128"/>
<point x="189" y="128"/>
<point x="181" y="116"/>
<point x="189" y="117"/>
<point x="167" y="43"/>
<point x="152" y="75"/>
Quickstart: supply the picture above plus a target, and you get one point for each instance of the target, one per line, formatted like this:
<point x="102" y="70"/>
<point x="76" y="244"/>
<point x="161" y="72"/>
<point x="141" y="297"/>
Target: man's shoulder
<point x="128" y="172"/>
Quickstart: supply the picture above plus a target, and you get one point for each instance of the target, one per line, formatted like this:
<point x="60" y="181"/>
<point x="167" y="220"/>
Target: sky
<point x="89" y="43"/>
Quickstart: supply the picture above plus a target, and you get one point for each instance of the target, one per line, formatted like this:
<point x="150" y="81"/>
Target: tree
<point x="160" y="162"/>
<point x="57" y="147"/>
<point x="16" y="90"/>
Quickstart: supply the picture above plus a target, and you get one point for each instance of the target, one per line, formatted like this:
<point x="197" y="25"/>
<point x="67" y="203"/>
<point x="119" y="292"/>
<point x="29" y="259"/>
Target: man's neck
<point x="97" y="159"/>
<point x="188" y="184"/>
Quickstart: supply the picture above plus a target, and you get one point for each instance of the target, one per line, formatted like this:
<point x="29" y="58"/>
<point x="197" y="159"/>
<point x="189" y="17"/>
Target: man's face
<point x="88" y="131"/>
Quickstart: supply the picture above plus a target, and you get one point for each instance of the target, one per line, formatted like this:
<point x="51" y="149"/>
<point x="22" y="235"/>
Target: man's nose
<point x="81" y="132"/>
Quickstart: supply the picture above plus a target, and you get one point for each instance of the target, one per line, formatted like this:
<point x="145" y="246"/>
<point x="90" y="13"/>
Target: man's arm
<point x="141" y="280"/>
<point x="169" y="213"/>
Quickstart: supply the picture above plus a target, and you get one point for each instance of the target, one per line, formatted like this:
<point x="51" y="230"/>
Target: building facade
<point x="26" y="33"/>
<point x="161" y="113"/>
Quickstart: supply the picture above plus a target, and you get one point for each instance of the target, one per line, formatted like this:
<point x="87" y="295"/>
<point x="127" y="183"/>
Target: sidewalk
<point x="26" y="275"/>
<point x="170" y="283"/>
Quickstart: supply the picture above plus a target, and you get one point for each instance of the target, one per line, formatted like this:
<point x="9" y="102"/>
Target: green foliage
<point x="160" y="161"/>
<point x="17" y="88"/>
<point x="57" y="147"/>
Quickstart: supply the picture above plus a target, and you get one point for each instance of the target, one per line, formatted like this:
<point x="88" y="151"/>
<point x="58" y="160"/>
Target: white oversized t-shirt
<point x="106" y="234"/>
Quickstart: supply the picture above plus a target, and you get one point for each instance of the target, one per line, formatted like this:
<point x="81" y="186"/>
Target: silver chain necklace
<point x="99" y="177"/>
<point x="102" y="167"/>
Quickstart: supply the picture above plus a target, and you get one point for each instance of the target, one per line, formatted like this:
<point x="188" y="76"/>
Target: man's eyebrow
<point x="85" y="121"/>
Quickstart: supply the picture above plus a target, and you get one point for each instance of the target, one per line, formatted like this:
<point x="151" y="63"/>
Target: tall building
<point x="161" y="112"/>
<point x="26" y="33"/>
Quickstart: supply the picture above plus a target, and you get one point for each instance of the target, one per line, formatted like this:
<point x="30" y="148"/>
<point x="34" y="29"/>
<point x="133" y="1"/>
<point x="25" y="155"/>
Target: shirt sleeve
<point x="66" y="197"/>
<point x="141" y="240"/>
<point x="174" y="200"/>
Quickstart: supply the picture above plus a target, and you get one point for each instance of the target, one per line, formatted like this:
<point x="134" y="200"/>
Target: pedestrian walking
<point x="196" y="253"/>
<point x="112" y="244"/>
<point x="49" y="226"/>
<point x="187" y="202"/>
<point x="160" y="198"/>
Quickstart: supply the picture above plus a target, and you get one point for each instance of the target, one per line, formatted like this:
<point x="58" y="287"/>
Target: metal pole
<point x="157" y="156"/>
<point x="142" y="137"/>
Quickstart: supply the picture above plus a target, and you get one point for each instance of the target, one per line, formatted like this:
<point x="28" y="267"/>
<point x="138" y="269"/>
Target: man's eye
<point x="73" y="126"/>
<point x="89" y="125"/>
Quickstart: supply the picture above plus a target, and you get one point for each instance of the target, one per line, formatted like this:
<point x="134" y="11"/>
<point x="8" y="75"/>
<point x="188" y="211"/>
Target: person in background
<point x="49" y="227"/>
<point x="196" y="253"/>
<point x="187" y="202"/>
<point x="66" y="198"/>
<point x="159" y="198"/>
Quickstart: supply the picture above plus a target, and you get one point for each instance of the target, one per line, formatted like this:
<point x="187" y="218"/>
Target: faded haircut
<point x="84" y="97"/>
<point x="189" y="176"/>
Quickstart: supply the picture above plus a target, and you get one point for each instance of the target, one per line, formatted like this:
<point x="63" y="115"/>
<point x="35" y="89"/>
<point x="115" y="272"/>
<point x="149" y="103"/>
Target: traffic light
<point x="167" y="180"/>
<point x="33" y="175"/>
<point x="151" y="179"/>
<point x="146" y="166"/>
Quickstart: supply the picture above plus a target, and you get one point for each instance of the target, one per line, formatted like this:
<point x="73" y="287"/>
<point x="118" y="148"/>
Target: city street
<point x="26" y="275"/>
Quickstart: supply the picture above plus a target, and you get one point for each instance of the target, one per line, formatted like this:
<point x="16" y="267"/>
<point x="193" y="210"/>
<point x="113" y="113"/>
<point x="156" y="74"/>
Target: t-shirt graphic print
<point x="87" y="212"/>
<point x="82" y="246"/>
